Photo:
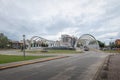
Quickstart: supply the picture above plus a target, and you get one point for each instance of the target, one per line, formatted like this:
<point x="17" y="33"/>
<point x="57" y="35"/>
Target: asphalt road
<point x="77" y="67"/>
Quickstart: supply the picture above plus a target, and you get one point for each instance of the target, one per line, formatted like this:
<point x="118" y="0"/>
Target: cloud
<point x="51" y="18"/>
<point x="108" y="35"/>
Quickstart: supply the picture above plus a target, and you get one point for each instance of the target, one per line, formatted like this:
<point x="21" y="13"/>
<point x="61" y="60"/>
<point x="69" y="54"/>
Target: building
<point x="15" y="44"/>
<point x="117" y="42"/>
<point x="67" y="41"/>
<point x="26" y="43"/>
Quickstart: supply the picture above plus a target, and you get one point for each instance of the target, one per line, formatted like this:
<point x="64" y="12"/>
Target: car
<point x="86" y="49"/>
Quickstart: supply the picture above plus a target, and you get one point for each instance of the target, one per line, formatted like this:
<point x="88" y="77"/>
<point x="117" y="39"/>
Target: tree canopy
<point x="101" y="44"/>
<point x="3" y="41"/>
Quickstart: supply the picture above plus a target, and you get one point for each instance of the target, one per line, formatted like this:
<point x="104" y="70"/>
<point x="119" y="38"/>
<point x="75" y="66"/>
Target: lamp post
<point x="110" y="44"/>
<point x="24" y="46"/>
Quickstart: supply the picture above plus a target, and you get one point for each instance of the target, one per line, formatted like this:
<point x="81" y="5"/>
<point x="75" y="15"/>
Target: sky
<point x="51" y="18"/>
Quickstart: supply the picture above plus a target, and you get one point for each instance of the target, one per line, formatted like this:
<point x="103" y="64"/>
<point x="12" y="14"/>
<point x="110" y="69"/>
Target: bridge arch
<point x="87" y="40"/>
<point x="36" y="42"/>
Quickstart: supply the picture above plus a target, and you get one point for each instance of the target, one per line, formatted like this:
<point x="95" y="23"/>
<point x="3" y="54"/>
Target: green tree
<point x="112" y="45"/>
<point x="46" y="45"/>
<point x="101" y="44"/>
<point x="4" y="41"/>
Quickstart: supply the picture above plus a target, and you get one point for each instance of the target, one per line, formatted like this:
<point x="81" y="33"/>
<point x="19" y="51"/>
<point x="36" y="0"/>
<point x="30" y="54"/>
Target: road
<point x="76" y="67"/>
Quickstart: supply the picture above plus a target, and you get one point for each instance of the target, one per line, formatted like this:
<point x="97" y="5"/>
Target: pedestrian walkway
<point x="114" y="68"/>
<point x="111" y="69"/>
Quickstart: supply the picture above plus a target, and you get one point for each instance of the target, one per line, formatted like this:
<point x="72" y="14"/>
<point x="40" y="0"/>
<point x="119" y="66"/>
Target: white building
<point x="67" y="41"/>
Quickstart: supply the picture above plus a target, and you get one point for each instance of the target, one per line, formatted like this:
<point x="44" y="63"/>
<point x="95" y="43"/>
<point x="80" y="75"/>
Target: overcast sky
<point x="51" y="18"/>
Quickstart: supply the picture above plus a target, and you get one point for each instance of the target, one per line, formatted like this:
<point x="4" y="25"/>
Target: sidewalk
<point x="21" y="63"/>
<point x="110" y="69"/>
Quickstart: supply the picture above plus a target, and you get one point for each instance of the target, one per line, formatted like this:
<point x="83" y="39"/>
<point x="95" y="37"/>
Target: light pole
<point x="110" y="44"/>
<point x="24" y="46"/>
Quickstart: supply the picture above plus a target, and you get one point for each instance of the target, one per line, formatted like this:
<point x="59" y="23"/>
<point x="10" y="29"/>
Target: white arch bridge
<point x="86" y="40"/>
<point x="38" y="42"/>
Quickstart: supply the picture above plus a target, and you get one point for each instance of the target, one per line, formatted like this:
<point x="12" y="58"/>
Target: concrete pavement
<point x="110" y="70"/>
<point x="75" y="67"/>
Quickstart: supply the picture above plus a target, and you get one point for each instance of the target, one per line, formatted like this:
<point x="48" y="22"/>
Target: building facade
<point x="117" y="42"/>
<point x="67" y="41"/>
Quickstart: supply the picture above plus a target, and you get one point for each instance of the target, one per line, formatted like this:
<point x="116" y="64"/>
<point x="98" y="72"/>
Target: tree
<point x="4" y="41"/>
<point x="101" y="44"/>
<point x="112" y="45"/>
<point x="46" y="45"/>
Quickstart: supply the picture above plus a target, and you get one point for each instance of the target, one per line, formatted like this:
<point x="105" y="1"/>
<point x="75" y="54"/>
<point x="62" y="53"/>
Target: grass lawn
<point x="13" y="58"/>
<point x="55" y="51"/>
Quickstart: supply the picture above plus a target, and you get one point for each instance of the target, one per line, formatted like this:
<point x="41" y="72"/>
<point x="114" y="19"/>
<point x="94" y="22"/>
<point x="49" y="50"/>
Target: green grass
<point x="55" y="51"/>
<point x="12" y="58"/>
<point x="62" y="51"/>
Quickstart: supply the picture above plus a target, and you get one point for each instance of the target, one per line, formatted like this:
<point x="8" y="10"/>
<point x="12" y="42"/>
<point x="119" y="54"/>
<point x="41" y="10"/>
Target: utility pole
<point x="24" y="46"/>
<point x="110" y="44"/>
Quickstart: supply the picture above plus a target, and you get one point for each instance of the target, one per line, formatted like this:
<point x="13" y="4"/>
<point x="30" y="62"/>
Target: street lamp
<point x="110" y="44"/>
<point x="24" y="46"/>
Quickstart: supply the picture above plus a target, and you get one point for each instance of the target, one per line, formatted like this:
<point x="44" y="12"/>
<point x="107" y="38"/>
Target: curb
<point x="100" y="67"/>
<point x="33" y="62"/>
